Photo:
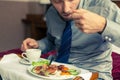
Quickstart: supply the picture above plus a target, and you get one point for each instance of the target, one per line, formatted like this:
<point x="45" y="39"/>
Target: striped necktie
<point x="64" y="50"/>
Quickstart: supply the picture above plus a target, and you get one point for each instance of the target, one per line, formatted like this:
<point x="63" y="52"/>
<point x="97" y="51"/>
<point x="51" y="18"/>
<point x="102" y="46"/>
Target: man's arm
<point x="111" y="32"/>
<point x="46" y="44"/>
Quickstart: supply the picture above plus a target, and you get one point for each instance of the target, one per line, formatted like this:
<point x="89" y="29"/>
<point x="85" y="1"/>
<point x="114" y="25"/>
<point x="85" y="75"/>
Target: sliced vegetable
<point x="72" y="70"/>
<point x="74" y="73"/>
<point x="40" y="63"/>
<point x="65" y="68"/>
<point x="65" y="73"/>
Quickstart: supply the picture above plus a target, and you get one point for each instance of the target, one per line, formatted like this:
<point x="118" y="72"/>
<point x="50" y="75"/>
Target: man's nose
<point x="66" y="7"/>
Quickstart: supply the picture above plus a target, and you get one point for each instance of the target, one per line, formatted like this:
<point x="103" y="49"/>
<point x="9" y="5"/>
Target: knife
<point x="51" y="58"/>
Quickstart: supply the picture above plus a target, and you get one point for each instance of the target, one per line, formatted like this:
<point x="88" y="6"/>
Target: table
<point x="21" y="70"/>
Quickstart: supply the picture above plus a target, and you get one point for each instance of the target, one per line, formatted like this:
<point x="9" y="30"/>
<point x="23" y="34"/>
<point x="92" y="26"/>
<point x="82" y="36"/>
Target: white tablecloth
<point x="11" y="69"/>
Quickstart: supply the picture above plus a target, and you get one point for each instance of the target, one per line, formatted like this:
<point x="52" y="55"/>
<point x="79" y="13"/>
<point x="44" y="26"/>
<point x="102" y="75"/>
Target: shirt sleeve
<point x="112" y="31"/>
<point x="46" y="44"/>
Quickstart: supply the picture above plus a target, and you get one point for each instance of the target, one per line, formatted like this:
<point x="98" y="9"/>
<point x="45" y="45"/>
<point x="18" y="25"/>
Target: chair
<point x="116" y="66"/>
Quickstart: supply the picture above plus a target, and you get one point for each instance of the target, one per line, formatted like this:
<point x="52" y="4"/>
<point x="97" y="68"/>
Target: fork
<point x="51" y="58"/>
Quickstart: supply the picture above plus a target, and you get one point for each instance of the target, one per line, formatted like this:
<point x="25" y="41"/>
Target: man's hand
<point x="87" y="21"/>
<point x="28" y="44"/>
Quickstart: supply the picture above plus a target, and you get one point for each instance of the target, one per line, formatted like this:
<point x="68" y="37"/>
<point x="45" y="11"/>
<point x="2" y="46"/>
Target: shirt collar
<point x="81" y="3"/>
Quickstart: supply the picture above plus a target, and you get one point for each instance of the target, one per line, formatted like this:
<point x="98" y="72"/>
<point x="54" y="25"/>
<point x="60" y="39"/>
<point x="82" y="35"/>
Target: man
<point x="94" y="23"/>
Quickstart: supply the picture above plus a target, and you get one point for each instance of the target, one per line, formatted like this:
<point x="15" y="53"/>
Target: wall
<point x="12" y="29"/>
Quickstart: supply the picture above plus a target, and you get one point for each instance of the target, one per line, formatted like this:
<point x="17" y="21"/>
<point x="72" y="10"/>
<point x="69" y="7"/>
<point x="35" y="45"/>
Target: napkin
<point x="9" y="58"/>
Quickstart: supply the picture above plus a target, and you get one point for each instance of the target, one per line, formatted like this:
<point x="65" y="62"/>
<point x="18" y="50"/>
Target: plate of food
<point x="56" y="71"/>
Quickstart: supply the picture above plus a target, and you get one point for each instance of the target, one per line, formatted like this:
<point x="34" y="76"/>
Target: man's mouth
<point x="67" y="16"/>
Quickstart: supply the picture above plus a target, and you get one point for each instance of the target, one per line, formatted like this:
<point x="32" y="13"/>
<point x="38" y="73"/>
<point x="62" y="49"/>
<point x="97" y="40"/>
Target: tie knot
<point x="68" y="25"/>
<point x="68" y="22"/>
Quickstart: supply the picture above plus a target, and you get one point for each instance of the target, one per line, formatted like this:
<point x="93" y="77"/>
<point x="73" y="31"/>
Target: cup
<point x="32" y="55"/>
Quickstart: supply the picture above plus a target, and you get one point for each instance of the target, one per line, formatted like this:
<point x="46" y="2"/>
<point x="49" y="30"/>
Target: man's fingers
<point x="33" y="45"/>
<point x="23" y="48"/>
<point x="77" y="14"/>
<point x="25" y="45"/>
<point x="28" y="44"/>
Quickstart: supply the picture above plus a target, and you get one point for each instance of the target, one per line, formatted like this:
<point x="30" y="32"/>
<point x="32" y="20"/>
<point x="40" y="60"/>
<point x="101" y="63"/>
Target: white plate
<point x="56" y="77"/>
<point x="23" y="61"/>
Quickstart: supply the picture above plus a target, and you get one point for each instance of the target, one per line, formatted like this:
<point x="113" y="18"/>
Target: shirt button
<point x="106" y="37"/>
<point x="109" y="39"/>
